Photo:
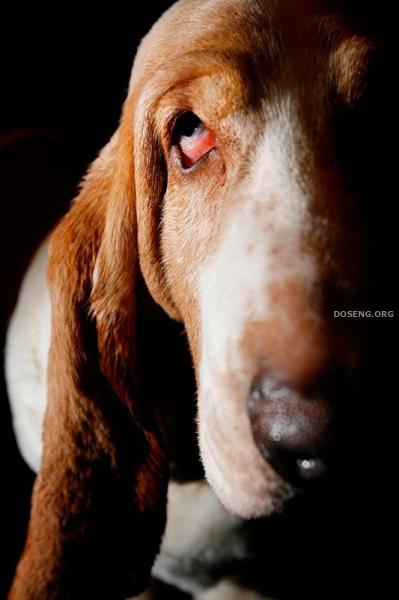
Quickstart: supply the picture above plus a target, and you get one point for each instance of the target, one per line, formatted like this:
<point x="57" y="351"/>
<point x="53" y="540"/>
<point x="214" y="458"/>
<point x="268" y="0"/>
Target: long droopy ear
<point x="98" y="508"/>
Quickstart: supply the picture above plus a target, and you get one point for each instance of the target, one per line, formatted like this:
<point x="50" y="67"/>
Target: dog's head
<point x="237" y="185"/>
<point x="250" y="157"/>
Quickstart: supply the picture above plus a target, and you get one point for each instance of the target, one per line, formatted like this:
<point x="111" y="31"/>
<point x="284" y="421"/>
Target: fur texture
<point x="249" y="249"/>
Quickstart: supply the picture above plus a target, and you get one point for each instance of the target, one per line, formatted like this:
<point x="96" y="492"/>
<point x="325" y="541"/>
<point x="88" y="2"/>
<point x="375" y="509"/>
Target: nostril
<point x="291" y="429"/>
<point x="311" y="468"/>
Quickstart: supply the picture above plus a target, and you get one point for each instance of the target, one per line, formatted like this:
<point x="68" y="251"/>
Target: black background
<point x="64" y="76"/>
<point x="68" y="68"/>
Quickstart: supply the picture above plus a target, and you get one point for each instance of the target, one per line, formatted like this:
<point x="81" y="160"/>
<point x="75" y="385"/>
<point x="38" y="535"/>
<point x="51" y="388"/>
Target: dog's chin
<point x="245" y="484"/>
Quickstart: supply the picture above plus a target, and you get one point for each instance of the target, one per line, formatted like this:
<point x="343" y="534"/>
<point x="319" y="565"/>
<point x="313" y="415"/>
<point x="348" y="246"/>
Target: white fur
<point x="199" y="531"/>
<point x="27" y="346"/>
<point x="224" y="590"/>
<point x="227" y="590"/>
<point x="260" y="247"/>
<point x="197" y="523"/>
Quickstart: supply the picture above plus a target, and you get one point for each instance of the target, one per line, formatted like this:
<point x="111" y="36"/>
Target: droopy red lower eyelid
<point x="196" y="146"/>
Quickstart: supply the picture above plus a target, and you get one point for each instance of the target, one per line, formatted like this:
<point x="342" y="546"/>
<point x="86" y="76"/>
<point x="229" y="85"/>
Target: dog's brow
<point x="169" y="85"/>
<point x="188" y="67"/>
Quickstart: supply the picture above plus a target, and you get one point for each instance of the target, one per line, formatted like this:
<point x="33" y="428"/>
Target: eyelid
<point x="173" y="137"/>
<point x="171" y="124"/>
<point x="196" y="146"/>
<point x="178" y="161"/>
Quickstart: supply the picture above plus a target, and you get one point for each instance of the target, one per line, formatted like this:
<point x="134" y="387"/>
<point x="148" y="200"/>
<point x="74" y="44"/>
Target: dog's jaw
<point x="244" y="483"/>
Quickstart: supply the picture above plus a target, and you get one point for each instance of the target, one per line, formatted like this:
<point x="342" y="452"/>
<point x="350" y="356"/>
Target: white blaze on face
<point x="260" y="248"/>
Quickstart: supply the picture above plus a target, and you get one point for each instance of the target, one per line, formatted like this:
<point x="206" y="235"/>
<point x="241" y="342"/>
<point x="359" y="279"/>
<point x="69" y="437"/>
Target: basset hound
<point x="234" y="203"/>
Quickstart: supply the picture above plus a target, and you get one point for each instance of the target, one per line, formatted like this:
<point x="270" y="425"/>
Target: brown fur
<point x="98" y="507"/>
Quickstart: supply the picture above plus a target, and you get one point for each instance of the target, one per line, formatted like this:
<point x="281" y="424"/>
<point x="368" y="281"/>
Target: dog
<point x="235" y="198"/>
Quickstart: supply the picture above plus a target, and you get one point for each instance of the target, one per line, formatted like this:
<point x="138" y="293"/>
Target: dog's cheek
<point x="187" y="238"/>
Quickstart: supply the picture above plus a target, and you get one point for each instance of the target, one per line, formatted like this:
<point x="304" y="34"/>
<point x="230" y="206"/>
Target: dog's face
<point x="242" y="184"/>
<point x="259" y="234"/>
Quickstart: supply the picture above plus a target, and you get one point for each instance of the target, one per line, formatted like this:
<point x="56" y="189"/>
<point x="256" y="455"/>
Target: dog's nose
<point x="291" y="428"/>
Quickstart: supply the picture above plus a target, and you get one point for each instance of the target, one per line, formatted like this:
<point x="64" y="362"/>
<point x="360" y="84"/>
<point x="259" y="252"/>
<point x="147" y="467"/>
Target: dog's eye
<point x="193" y="139"/>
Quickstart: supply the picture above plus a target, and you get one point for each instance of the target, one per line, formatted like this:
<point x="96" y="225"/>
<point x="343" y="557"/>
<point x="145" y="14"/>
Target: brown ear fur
<point x="98" y="508"/>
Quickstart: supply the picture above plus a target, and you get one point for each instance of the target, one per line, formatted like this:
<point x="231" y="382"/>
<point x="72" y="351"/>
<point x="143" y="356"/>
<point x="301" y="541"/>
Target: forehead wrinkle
<point x="238" y="75"/>
<point x="212" y="96"/>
